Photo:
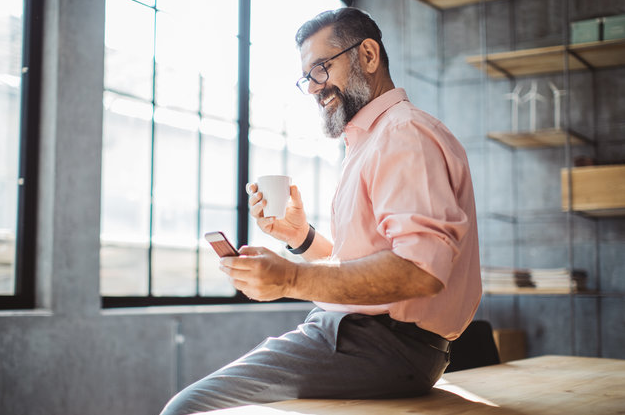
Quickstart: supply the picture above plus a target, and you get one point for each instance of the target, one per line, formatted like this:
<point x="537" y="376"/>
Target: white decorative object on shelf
<point x="532" y="96"/>
<point x="515" y="98"/>
<point x="557" y="94"/>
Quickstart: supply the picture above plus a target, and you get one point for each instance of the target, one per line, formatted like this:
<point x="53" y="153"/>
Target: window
<point x="20" y="64"/>
<point x="175" y="140"/>
<point x="285" y="133"/>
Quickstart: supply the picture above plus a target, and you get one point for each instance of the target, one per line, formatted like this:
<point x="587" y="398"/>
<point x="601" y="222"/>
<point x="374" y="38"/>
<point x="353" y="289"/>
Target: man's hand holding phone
<point x="257" y="272"/>
<point x="260" y="274"/>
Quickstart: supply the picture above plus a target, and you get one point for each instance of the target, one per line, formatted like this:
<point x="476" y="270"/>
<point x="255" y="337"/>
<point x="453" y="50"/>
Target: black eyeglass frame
<point x="308" y="76"/>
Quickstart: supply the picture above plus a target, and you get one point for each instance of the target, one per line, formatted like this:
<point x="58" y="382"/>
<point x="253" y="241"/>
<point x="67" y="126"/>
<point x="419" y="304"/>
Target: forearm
<point x="376" y="279"/>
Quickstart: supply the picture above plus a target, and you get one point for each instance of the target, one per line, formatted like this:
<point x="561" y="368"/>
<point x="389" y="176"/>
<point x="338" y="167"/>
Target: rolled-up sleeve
<point x="414" y="201"/>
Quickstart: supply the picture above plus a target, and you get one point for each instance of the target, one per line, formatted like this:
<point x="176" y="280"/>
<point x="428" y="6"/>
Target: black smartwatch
<point x="306" y="244"/>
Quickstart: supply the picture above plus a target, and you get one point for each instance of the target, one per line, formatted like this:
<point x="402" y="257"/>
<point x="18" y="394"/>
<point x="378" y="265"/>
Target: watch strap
<point x="306" y="244"/>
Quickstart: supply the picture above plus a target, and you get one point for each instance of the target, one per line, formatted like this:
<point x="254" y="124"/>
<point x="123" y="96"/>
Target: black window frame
<point x="30" y="97"/>
<point x="242" y="213"/>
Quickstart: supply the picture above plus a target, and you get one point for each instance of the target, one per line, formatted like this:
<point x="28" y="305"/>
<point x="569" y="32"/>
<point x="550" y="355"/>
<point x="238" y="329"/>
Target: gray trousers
<point x="330" y="355"/>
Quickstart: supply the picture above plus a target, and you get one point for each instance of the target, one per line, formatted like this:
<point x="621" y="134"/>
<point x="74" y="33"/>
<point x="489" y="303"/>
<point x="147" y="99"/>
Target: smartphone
<point x="221" y="244"/>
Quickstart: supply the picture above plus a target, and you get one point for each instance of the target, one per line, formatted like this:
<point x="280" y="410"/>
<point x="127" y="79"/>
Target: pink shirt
<point x="406" y="187"/>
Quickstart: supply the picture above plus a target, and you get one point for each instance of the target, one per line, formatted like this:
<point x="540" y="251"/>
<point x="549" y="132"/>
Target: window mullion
<point x="32" y="45"/>
<point x="199" y="188"/>
<point x="244" y="122"/>
<point x="152" y="154"/>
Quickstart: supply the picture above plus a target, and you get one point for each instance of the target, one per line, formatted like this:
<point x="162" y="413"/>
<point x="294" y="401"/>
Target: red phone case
<point x="220" y="244"/>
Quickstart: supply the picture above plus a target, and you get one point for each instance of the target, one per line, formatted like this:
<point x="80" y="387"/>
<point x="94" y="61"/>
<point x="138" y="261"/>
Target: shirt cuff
<point x="430" y="253"/>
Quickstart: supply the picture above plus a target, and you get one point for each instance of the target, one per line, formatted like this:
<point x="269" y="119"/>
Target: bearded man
<point x="400" y="280"/>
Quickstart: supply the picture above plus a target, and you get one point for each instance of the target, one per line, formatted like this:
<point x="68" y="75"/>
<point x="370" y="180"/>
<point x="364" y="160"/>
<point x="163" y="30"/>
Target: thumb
<point x="251" y="250"/>
<point x="296" y="197"/>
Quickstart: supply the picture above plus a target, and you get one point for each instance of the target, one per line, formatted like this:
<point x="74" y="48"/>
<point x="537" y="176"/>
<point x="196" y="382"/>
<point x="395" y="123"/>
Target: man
<point x="402" y="277"/>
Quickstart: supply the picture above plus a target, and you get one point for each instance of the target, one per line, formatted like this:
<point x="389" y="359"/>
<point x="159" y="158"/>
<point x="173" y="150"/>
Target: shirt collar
<point x="370" y="112"/>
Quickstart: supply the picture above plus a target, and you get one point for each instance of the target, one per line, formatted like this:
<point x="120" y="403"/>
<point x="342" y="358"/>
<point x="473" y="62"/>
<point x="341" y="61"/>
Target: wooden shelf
<point x="545" y="291"/>
<point x="597" y="190"/>
<point x="541" y="138"/>
<point x="448" y="4"/>
<point x="531" y="291"/>
<point x="551" y="59"/>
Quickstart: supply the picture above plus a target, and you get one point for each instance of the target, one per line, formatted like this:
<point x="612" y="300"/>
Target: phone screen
<point x="220" y="244"/>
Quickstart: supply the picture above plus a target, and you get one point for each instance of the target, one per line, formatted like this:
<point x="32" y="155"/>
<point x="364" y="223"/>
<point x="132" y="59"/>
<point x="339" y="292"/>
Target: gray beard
<point x="357" y="94"/>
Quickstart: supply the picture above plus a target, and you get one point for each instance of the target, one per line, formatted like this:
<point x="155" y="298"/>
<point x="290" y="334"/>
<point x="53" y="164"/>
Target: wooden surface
<point x="448" y="4"/>
<point x="601" y="54"/>
<point x="597" y="190"/>
<point x="541" y="138"/>
<point x="551" y="59"/>
<point x="543" y="385"/>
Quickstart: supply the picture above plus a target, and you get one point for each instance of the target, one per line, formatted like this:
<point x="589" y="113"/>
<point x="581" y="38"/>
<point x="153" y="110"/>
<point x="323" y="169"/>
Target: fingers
<point x="255" y="201"/>
<point x="251" y="188"/>
<point x="232" y="264"/>
<point x="258" y="272"/>
<point x="257" y="205"/>
<point x="245" y="262"/>
<point x="254" y="198"/>
<point x="252" y="250"/>
<point x="240" y="269"/>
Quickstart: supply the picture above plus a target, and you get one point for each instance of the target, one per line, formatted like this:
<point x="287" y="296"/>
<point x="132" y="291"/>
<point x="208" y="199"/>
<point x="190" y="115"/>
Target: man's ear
<point x="370" y="55"/>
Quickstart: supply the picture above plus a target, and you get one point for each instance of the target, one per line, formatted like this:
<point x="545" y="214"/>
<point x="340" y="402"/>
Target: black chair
<point x="474" y="348"/>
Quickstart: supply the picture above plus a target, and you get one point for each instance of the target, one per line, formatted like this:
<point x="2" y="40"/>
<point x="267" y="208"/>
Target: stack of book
<point x="559" y="280"/>
<point x="532" y="280"/>
<point x="502" y="280"/>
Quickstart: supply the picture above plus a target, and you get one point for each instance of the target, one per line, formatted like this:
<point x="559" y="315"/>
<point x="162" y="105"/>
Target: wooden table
<point x="540" y="385"/>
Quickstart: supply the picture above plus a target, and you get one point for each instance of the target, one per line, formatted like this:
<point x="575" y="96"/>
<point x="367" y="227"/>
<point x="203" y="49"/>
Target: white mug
<point x="276" y="191"/>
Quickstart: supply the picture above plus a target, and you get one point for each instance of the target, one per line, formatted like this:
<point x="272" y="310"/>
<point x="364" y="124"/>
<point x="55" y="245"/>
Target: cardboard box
<point x="614" y="27"/>
<point x="597" y="190"/>
<point x="510" y="344"/>
<point x="586" y="31"/>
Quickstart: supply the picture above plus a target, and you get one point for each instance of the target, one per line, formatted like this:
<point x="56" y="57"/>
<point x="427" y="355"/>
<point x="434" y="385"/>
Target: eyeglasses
<point x="319" y="73"/>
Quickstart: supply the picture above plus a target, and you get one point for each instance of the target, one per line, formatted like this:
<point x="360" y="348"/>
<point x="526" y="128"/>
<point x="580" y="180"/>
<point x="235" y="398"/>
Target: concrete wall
<point x="518" y="191"/>
<point x="69" y="356"/>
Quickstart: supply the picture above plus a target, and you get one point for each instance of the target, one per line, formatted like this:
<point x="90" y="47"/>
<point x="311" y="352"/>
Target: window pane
<point x="123" y="269"/>
<point x="10" y="82"/>
<point x="175" y="229"/>
<point x="125" y="214"/>
<point x="175" y="180"/>
<point x="174" y="271"/>
<point x="220" y="63"/>
<point x="266" y="153"/>
<point x="200" y="37"/>
<point x="129" y="43"/>
<point x="177" y="71"/>
<point x="301" y="168"/>
<point x="219" y="168"/>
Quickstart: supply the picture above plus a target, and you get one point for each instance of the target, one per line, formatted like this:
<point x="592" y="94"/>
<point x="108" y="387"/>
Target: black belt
<point x="412" y="330"/>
